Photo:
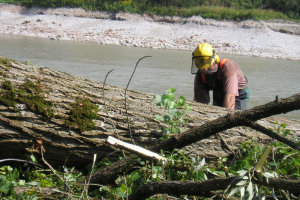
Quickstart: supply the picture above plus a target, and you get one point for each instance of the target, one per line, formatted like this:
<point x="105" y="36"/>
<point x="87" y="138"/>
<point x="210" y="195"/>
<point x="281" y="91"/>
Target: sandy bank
<point x="250" y="38"/>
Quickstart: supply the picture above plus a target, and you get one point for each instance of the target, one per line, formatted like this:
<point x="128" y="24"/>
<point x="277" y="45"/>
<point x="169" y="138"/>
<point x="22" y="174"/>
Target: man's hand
<point x="229" y="101"/>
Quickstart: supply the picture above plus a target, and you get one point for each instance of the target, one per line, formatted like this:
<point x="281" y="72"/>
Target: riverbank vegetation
<point x="251" y="166"/>
<point x="221" y="10"/>
<point x="29" y="181"/>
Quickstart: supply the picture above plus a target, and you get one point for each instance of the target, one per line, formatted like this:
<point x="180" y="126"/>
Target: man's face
<point x="210" y="70"/>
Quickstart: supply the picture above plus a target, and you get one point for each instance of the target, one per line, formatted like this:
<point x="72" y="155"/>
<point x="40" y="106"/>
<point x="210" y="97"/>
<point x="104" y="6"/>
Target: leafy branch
<point x="176" y="111"/>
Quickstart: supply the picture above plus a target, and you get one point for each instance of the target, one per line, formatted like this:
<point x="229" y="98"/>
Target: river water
<point x="166" y="68"/>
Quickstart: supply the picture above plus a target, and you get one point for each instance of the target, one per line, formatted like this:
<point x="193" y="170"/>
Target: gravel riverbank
<point x="270" y="39"/>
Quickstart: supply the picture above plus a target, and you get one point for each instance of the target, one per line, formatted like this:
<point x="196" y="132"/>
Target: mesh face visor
<point x="206" y="64"/>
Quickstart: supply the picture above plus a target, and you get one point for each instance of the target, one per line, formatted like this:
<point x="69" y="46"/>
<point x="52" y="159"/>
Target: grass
<point x="208" y="11"/>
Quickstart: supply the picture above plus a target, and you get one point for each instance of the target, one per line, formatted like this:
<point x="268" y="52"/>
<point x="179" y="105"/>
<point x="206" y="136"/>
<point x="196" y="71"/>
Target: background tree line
<point x="218" y="9"/>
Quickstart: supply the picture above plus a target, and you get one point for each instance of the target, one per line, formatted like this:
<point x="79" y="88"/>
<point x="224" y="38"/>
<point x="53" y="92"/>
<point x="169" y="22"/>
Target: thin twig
<point x="274" y="161"/>
<point x="74" y="197"/>
<point x="226" y="144"/>
<point x="86" y="186"/>
<point x="285" y="195"/>
<point x="19" y="160"/>
<point x="126" y="186"/>
<point x="105" y="103"/>
<point x="125" y="96"/>
<point x="95" y="157"/>
<point x="107" y="110"/>
<point x="53" y="170"/>
<point x="65" y="166"/>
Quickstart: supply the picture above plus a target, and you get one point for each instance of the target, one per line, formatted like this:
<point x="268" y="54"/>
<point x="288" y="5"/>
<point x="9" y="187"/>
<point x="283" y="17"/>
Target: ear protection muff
<point x="217" y="58"/>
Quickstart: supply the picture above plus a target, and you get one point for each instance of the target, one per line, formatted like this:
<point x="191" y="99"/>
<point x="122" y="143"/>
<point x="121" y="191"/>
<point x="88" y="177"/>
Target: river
<point x="166" y="68"/>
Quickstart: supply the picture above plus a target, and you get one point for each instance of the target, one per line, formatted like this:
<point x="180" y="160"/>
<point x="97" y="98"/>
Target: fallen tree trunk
<point x="24" y="131"/>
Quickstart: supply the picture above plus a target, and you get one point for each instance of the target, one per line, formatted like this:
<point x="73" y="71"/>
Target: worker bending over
<point x="223" y="76"/>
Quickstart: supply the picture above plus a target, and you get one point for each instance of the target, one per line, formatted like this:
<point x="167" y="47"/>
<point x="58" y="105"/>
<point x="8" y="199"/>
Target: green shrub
<point x="216" y="9"/>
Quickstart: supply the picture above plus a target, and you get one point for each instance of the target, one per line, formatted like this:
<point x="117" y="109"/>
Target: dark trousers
<point x="240" y="101"/>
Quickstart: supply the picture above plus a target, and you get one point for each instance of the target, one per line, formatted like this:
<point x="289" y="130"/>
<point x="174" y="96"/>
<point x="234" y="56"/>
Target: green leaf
<point x="181" y="101"/>
<point x="165" y="137"/>
<point x="234" y="191"/>
<point x="242" y="182"/>
<point x="283" y="125"/>
<point x="34" y="183"/>
<point x="9" y="168"/>
<point x="33" y="159"/>
<point x="273" y="194"/>
<point x="175" y="112"/>
<point x="172" y="105"/>
<point x="214" y="173"/>
<point x="286" y="132"/>
<point x="242" y="191"/>
<point x="123" y="188"/>
<point x="278" y="130"/>
<point x="129" y="190"/>
<point x="270" y="175"/>
<point x="164" y="100"/>
<point x="170" y="97"/>
<point x="156" y="168"/>
<point x="166" y="130"/>
<point x="250" y="190"/>
<point x="157" y="99"/>
<point x="182" y="121"/>
<point x="174" y="130"/>
<point x="2" y="178"/>
<point x="5" y="187"/>
<point x="170" y="90"/>
<point x="142" y="162"/>
<point x="259" y="196"/>
<point x="242" y="172"/>
<point x="263" y="159"/>
<point x="188" y="107"/>
<point x="159" y="117"/>
<point x="202" y="163"/>
<point x="167" y="117"/>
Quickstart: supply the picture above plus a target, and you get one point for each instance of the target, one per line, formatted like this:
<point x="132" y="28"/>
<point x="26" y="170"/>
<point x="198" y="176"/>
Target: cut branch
<point x="223" y="123"/>
<point x="139" y="151"/>
<point x="202" y="188"/>
<point x="272" y="134"/>
<point x="229" y="121"/>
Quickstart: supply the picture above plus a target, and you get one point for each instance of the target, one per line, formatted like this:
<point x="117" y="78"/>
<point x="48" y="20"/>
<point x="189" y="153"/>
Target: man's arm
<point x="229" y="101"/>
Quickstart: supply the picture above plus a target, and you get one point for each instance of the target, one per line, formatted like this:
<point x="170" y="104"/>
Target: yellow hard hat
<point x="204" y="56"/>
<point x="204" y="49"/>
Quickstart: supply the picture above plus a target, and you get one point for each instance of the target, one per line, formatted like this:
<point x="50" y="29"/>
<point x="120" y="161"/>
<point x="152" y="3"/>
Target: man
<point x="224" y="77"/>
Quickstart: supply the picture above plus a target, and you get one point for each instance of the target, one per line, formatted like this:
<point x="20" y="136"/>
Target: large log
<point x="24" y="131"/>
